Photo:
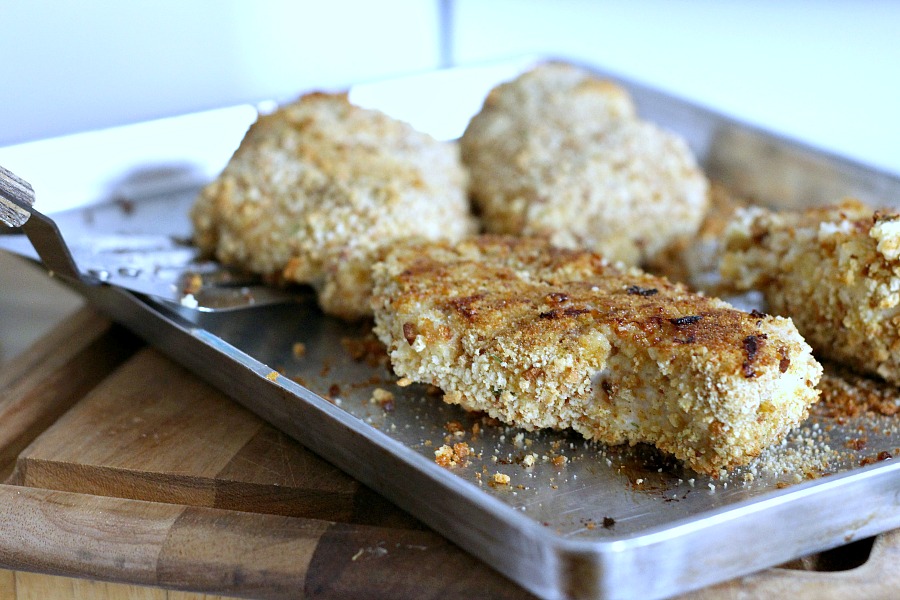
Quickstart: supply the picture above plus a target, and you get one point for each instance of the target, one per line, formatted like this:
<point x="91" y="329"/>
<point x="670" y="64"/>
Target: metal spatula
<point x="155" y="265"/>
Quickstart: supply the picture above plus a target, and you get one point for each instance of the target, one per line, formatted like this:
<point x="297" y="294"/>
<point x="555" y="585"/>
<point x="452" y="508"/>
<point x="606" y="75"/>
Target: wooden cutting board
<point x="123" y="467"/>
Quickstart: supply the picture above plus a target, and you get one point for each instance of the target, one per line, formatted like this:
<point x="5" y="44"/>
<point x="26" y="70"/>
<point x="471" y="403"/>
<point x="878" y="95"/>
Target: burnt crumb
<point x="608" y="522"/>
<point x="466" y="305"/>
<point x="607" y="387"/>
<point x="785" y="362"/>
<point x="757" y="314"/>
<point x="639" y="291"/>
<point x="683" y="321"/>
<point x="558" y="313"/>
<point x="857" y="443"/>
<point x="752" y="344"/>
<point x="409" y="333"/>
<point x="334" y="391"/>
<point x="871" y="460"/>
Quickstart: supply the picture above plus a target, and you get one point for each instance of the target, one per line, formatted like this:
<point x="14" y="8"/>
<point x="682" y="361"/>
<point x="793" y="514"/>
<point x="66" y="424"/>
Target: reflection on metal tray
<point x="577" y="519"/>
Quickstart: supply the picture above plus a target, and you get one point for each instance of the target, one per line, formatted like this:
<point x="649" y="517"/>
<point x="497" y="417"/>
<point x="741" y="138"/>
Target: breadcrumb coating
<point x="835" y="270"/>
<point x="542" y="337"/>
<point x="694" y="260"/>
<point x="561" y="154"/>
<point x="317" y="187"/>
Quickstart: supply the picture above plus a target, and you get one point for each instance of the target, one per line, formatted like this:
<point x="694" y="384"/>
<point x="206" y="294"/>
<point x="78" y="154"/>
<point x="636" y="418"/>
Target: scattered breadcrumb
<point x="846" y="395"/>
<point x="192" y="284"/>
<point x="452" y="456"/>
<point x="500" y="479"/>
<point x="299" y="350"/>
<point x="383" y="398"/>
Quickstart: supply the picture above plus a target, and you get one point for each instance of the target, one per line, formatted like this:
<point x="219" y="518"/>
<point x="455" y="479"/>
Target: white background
<point x="827" y="72"/>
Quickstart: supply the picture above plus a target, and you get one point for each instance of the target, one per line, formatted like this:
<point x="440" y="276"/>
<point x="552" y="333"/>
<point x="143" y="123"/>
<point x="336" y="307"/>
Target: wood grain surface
<point x="134" y="479"/>
<point x="152" y="431"/>
<point x="46" y="380"/>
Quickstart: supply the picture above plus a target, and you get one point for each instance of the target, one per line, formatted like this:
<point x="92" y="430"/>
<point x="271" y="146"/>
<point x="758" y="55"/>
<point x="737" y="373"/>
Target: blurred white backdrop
<point x="74" y="66"/>
<point x="825" y="71"/>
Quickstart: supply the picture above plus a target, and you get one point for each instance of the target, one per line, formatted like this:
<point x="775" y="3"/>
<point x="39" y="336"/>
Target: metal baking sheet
<point x="577" y="519"/>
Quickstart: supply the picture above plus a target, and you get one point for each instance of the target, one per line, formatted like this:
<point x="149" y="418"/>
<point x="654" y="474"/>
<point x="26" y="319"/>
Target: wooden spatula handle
<point x="13" y="187"/>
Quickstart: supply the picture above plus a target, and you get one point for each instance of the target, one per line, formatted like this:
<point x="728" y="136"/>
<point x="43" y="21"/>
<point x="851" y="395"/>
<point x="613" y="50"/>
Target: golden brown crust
<point x="835" y="270"/>
<point x="561" y="154"/>
<point x="543" y="337"/>
<point x="317" y="187"/>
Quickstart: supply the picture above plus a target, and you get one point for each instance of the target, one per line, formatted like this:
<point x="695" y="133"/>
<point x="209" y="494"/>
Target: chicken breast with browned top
<point x="539" y="336"/>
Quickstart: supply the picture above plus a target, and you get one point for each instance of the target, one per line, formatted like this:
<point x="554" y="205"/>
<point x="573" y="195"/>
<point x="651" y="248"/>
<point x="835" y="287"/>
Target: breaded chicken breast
<point x="544" y="337"/>
<point x="317" y="187"/>
<point x="561" y="154"/>
<point x="835" y="270"/>
<point x="694" y="260"/>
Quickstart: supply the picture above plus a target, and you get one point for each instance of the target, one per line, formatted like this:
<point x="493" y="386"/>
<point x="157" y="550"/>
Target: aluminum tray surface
<point x="575" y="519"/>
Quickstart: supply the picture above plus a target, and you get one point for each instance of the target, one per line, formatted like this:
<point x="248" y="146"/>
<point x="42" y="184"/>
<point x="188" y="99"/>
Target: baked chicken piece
<point x="835" y="270"/>
<point x="317" y="187"/>
<point x="538" y="336"/>
<point x="561" y="154"/>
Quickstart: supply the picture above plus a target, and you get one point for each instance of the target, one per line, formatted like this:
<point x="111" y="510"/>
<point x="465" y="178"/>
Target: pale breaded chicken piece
<point x="694" y="259"/>
<point x="836" y="272"/>
<point x="561" y="154"/>
<point x="543" y="337"/>
<point x="317" y="187"/>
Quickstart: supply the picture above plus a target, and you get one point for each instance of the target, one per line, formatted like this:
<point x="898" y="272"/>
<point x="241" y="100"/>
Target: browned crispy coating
<point x="319" y="186"/>
<point x="835" y="270"/>
<point x="543" y="337"/>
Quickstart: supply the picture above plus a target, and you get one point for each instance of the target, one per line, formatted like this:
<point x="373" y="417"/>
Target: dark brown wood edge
<point x="55" y="348"/>
<point x="56" y="372"/>
<point x="233" y="553"/>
